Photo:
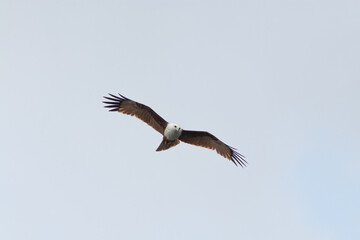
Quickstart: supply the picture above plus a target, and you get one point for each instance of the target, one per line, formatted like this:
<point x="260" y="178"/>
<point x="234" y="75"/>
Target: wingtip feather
<point x="237" y="158"/>
<point x="114" y="102"/>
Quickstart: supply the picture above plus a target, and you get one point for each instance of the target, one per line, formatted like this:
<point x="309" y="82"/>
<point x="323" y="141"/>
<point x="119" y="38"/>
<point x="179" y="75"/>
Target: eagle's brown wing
<point x="207" y="140"/>
<point x="141" y="111"/>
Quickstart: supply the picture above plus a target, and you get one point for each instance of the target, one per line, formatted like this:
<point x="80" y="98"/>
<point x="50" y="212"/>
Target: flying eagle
<point x="172" y="133"/>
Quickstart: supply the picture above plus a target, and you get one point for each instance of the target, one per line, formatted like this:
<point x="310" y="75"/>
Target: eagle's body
<point x="172" y="133"/>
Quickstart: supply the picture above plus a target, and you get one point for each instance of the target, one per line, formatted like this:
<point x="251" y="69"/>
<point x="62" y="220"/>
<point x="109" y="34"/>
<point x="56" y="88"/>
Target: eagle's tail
<point x="166" y="144"/>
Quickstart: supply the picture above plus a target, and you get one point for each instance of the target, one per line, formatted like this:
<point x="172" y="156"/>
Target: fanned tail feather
<point x="166" y="144"/>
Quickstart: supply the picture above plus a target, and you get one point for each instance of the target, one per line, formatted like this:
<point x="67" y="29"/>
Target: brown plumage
<point x="166" y="144"/>
<point x="172" y="133"/>
<point x="141" y="111"/>
<point x="207" y="140"/>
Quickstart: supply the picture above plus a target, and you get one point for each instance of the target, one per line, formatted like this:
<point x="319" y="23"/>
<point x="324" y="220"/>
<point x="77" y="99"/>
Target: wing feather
<point x="207" y="140"/>
<point x="132" y="108"/>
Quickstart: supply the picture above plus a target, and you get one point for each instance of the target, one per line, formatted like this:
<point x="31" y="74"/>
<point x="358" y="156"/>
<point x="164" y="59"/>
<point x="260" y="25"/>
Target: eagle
<point x="172" y="133"/>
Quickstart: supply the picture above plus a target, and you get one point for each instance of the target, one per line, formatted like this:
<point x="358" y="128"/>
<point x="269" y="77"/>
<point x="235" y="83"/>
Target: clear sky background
<point x="278" y="80"/>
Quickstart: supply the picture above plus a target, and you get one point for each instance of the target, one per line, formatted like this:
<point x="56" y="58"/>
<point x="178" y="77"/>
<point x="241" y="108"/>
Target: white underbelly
<point x="171" y="133"/>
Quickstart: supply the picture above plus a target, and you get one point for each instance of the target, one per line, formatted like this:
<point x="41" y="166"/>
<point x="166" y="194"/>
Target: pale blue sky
<point x="278" y="80"/>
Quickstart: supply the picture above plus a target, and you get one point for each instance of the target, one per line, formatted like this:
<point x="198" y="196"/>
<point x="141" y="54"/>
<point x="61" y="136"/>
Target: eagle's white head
<point x="172" y="131"/>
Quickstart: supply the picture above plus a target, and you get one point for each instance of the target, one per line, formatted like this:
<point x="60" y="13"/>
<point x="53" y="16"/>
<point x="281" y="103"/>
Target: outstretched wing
<point x="207" y="140"/>
<point x="132" y="108"/>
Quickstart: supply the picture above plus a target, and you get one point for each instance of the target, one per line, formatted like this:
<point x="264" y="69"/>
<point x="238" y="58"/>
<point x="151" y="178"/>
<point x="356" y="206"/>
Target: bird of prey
<point x="172" y="133"/>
